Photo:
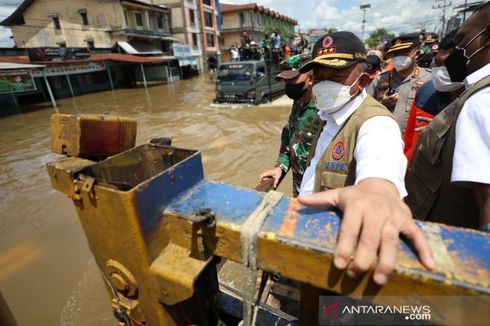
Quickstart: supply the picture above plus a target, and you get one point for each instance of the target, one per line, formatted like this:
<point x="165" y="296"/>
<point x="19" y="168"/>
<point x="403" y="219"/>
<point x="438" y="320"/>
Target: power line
<point x="443" y="8"/>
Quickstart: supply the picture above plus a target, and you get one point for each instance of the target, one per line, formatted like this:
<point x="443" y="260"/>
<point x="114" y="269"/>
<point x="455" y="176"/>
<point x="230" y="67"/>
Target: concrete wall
<point x="39" y="30"/>
<point x="231" y="20"/>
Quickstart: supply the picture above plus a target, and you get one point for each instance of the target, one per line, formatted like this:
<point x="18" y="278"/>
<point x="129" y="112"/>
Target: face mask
<point x="331" y="96"/>
<point x="401" y="62"/>
<point x="442" y="81"/>
<point x="457" y="61"/>
<point x="295" y="91"/>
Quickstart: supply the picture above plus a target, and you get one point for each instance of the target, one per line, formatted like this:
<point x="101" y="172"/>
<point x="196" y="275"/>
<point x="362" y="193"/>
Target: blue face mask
<point x="457" y="61"/>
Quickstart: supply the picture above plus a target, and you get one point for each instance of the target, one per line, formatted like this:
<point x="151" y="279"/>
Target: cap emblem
<point x="398" y="42"/>
<point x="327" y="42"/>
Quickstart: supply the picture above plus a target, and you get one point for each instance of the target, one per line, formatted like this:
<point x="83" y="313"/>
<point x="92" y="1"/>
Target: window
<point x="56" y="22"/>
<point x="126" y="17"/>
<point x="208" y="19"/>
<point x="84" y="18"/>
<point x="207" y="2"/>
<point x="90" y="44"/>
<point x="160" y="22"/>
<point x="192" y="18"/>
<point x="210" y="40"/>
<point x="139" y="18"/>
<point x="194" y="39"/>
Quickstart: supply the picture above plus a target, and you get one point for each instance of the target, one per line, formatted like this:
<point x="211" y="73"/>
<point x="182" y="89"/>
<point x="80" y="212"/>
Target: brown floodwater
<point x="47" y="273"/>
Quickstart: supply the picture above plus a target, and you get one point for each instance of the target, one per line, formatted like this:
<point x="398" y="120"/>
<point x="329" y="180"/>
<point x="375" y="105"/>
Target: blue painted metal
<point x="179" y="189"/>
<point x="316" y="230"/>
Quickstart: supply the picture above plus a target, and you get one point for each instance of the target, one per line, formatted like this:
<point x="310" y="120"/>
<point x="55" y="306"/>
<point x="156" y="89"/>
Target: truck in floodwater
<point x="247" y="82"/>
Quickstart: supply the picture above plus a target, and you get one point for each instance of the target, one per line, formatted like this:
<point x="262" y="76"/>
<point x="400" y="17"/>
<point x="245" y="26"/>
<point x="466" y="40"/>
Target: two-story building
<point x="75" y="41"/>
<point x="137" y="26"/>
<point x="253" y="19"/>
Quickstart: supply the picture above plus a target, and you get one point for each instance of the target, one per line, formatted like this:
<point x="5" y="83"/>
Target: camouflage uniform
<point x="296" y="138"/>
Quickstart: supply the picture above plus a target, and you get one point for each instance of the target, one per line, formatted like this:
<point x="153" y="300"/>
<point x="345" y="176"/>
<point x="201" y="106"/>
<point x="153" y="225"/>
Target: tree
<point x="379" y="36"/>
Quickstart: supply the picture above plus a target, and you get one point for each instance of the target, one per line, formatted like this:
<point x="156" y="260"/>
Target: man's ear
<point x="309" y="81"/>
<point x="363" y="80"/>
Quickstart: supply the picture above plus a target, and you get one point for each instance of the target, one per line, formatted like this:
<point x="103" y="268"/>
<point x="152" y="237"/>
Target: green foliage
<point x="376" y="37"/>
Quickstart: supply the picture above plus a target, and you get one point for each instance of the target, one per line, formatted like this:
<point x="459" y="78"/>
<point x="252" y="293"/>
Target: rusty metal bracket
<point x="204" y="215"/>
<point x="177" y="271"/>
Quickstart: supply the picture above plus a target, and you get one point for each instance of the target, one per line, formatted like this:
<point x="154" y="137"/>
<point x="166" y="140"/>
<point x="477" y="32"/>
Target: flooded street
<point x="47" y="274"/>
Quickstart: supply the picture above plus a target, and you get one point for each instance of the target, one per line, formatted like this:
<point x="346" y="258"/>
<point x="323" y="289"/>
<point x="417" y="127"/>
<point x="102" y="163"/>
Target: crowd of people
<point x="273" y="43"/>
<point x="389" y="136"/>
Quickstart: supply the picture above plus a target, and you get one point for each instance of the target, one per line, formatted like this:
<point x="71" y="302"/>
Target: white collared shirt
<point x="471" y="159"/>
<point x="378" y="152"/>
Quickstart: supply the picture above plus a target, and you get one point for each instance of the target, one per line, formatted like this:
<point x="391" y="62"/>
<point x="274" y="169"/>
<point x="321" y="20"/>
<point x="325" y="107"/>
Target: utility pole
<point x="364" y="8"/>
<point x="443" y="8"/>
<point x="464" y="10"/>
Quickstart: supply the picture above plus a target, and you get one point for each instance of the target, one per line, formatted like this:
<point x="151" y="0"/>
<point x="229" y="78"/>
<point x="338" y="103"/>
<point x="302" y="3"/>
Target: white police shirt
<point x="471" y="159"/>
<point x="378" y="152"/>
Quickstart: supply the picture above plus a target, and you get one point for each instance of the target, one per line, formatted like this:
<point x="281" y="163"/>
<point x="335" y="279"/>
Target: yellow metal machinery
<point x="158" y="231"/>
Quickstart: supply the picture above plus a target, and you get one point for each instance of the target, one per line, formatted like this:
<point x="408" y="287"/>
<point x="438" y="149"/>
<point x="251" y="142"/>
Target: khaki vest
<point x="431" y="195"/>
<point x="337" y="166"/>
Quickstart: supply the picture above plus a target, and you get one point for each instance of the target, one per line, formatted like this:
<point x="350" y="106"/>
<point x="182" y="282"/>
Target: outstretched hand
<point x="374" y="216"/>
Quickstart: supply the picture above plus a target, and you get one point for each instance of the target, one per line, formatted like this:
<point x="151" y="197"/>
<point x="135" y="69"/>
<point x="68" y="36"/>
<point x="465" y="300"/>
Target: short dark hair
<point x="449" y="41"/>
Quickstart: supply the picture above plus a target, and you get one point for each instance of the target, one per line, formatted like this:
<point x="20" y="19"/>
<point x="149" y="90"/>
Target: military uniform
<point x="296" y="139"/>
<point x="303" y="123"/>
<point x="404" y="87"/>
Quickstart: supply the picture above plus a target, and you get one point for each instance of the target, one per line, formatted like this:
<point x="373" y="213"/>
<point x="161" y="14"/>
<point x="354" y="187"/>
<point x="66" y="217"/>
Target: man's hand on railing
<point x="373" y="218"/>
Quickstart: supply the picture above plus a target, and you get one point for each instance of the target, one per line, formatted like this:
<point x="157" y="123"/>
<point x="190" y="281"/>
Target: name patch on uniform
<point x="338" y="151"/>
<point x="336" y="166"/>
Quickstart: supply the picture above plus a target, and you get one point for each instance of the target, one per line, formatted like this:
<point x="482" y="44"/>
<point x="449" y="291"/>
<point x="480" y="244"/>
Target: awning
<point x="139" y="48"/>
<point x="129" y="58"/>
<point x="187" y="62"/>
<point x="10" y="65"/>
<point x="169" y="38"/>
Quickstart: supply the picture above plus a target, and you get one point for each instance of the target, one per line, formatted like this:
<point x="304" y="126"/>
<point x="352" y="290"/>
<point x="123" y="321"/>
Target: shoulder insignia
<point x="416" y="72"/>
<point x="420" y="82"/>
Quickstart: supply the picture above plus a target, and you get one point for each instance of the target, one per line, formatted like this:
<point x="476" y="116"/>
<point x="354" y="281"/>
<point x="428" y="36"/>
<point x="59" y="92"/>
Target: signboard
<point x="16" y="80"/>
<point x="57" y="54"/>
<point x="70" y="69"/>
<point x="184" y="54"/>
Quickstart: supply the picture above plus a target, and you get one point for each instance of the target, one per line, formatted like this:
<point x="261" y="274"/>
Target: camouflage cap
<point x="290" y="66"/>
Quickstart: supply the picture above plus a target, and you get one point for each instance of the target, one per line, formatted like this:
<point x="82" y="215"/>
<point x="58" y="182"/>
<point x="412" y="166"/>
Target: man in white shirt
<point x="451" y="183"/>
<point x="358" y="157"/>
<point x="235" y="53"/>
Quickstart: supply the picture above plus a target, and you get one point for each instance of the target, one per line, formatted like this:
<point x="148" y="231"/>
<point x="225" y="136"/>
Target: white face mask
<point x="401" y="62"/>
<point x="331" y="96"/>
<point x="442" y="81"/>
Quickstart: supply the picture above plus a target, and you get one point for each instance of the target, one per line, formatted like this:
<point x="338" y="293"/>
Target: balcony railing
<point x="152" y="34"/>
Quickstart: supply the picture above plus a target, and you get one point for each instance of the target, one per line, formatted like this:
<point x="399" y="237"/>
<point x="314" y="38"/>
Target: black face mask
<point x="457" y="62"/>
<point x="456" y="65"/>
<point x="295" y="91"/>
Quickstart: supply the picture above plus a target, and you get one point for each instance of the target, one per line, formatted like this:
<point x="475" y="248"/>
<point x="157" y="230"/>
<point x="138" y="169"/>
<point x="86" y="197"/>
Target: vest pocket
<point x="332" y="180"/>
<point x="426" y="173"/>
